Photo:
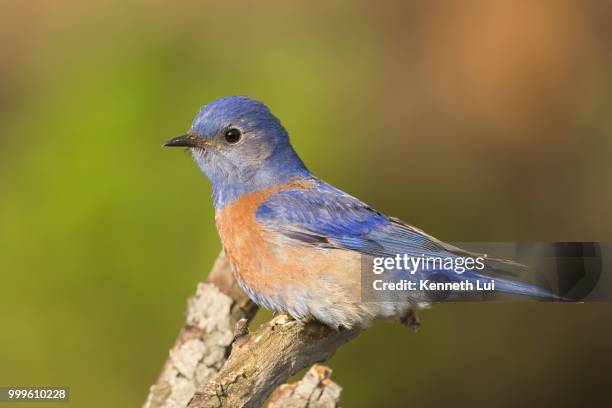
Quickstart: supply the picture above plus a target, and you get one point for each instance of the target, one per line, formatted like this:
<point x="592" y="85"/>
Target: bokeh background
<point x="475" y="120"/>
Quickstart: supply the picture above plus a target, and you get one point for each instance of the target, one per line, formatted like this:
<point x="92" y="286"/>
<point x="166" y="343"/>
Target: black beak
<point x="185" y="140"/>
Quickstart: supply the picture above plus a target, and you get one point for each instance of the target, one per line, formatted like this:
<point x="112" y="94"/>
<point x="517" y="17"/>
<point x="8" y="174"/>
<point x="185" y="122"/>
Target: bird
<point x="296" y="244"/>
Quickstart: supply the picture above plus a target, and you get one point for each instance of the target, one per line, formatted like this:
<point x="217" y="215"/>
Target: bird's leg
<point x="411" y="320"/>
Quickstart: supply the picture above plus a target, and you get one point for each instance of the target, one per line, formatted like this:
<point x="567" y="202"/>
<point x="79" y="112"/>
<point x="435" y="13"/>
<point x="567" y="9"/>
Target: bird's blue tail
<point x="507" y="285"/>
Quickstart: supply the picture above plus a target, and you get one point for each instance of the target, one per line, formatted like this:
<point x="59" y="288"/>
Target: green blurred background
<point x="475" y="120"/>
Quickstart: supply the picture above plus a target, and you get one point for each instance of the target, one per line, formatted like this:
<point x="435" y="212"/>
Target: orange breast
<point x="250" y="249"/>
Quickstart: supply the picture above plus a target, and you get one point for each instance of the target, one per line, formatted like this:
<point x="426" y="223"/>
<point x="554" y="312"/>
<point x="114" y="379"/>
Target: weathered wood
<point x="204" y="342"/>
<point x="263" y="360"/>
<point x="315" y="390"/>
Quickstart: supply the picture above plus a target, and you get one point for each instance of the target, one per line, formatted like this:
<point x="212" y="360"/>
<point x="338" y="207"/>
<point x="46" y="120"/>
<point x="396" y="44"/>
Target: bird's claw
<point x="411" y="320"/>
<point x="280" y="320"/>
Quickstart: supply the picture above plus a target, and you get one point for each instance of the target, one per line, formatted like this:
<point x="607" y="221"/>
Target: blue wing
<point x="326" y="217"/>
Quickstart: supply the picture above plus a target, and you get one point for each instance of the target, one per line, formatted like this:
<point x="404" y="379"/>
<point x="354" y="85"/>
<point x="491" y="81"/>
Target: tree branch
<point x="267" y="358"/>
<point x="315" y="390"/>
<point x="204" y="342"/>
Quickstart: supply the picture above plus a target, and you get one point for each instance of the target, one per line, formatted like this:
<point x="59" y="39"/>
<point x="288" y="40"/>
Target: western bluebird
<point x="296" y="244"/>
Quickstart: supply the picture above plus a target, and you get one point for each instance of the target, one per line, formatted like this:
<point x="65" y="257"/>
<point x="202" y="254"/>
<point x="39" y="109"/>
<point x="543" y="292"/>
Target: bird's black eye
<point x="232" y="135"/>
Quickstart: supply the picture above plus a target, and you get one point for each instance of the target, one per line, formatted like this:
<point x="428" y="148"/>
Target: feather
<point x="323" y="216"/>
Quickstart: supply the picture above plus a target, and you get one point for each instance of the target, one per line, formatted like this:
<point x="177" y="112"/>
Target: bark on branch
<point x="204" y="342"/>
<point x="315" y="390"/>
<point x="262" y="361"/>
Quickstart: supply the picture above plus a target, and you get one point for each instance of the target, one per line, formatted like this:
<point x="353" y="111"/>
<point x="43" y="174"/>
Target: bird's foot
<point x="280" y="320"/>
<point x="411" y="320"/>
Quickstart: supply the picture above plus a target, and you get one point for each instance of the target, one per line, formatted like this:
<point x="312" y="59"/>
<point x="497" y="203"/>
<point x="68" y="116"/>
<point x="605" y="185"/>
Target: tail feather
<point x="509" y="286"/>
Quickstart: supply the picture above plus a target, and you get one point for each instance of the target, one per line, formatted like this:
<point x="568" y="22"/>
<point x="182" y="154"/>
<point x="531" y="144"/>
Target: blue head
<point x="241" y="146"/>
